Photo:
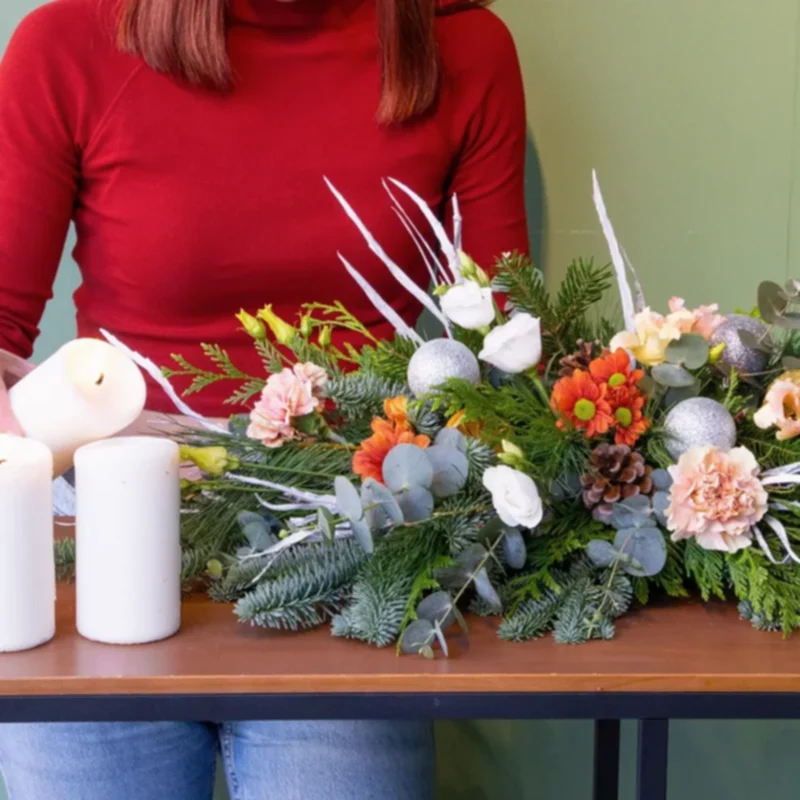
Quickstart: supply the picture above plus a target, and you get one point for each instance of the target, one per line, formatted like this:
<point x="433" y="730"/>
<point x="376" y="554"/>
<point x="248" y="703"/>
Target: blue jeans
<point x="334" y="760"/>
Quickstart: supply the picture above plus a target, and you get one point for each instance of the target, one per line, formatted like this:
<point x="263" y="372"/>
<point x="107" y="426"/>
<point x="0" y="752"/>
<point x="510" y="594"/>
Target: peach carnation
<point x="703" y="320"/>
<point x="716" y="497"/>
<point x="781" y="407"/>
<point x="288" y="394"/>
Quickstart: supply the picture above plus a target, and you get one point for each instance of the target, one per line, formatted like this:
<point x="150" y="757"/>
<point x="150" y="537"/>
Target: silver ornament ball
<point x="736" y="353"/>
<point x="698" y="422"/>
<point x="439" y="360"/>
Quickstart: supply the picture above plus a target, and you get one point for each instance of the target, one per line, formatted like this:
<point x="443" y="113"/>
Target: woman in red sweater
<point x="188" y="140"/>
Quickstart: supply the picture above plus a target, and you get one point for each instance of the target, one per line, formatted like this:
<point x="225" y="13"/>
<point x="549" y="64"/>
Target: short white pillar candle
<point x="87" y="390"/>
<point x="127" y="537"/>
<point x="27" y="567"/>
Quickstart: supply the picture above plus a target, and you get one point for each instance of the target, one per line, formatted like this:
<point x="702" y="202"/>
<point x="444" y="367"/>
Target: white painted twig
<point x="458" y="226"/>
<point x="388" y="313"/>
<point x="155" y="373"/>
<point x="302" y="496"/>
<point x="617" y="260"/>
<point x="432" y="271"/>
<point x="453" y="259"/>
<point x="396" y="272"/>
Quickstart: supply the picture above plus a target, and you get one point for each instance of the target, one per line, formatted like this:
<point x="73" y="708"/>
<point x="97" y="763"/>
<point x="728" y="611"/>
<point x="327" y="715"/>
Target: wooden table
<point x="684" y="660"/>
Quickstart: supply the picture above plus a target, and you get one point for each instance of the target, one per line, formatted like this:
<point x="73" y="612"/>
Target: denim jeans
<point x="337" y="760"/>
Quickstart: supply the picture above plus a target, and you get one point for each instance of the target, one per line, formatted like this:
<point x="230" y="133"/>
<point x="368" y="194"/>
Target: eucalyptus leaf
<point x="451" y="437"/>
<point x="790" y="320"/>
<point x="674" y="395"/>
<point x="792" y="287"/>
<point x="791" y="363"/>
<point x="427" y="652"/>
<point x="487" y="592"/>
<point x="601" y="553"/>
<point x="514" y="549"/>
<point x="471" y="557"/>
<point x="662" y="480"/>
<point x="407" y="466"/>
<point x="255" y="529"/>
<point x="631" y="513"/>
<point x="489" y="533"/>
<point x="416" y="504"/>
<point x="442" y="640"/>
<point x="363" y="534"/>
<point x="437" y="608"/>
<point x="462" y="623"/>
<point x="326" y="524"/>
<point x="672" y="376"/>
<point x="772" y="301"/>
<point x="417" y="636"/>
<point x="749" y="339"/>
<point x="380" y="507"/>
<point x="450" y="470"/>
<point x="691" y="350"/>
<point x="348" y="502"/>
<point x="647" y="548"/>
<point x="661" y="502"/>
<point x="452" y="577"/>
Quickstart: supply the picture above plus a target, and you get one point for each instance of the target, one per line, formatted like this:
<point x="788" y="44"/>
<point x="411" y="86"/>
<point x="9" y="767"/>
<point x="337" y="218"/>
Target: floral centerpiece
<point x="545" y="460"/>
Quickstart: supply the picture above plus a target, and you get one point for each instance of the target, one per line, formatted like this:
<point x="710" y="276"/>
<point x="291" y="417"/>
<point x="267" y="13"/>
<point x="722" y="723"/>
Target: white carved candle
<point x="27" y="567"/>
<point x="87" y="390"/>
<point x="127" y="535"/>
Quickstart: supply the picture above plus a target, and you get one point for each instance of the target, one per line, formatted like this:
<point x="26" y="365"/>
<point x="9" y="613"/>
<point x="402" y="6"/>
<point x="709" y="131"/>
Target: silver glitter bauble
<point x="736" y="353"/>
<point x="698" y="422"/>
<point x="437" y="361"/>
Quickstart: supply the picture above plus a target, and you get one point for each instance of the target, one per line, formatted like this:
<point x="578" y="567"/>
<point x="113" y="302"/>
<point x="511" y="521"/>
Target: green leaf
<point x="407" y="466"/>
<point x="691" y="350"/>
<point x="748" y="339"/>
<point x="326" y="524"/>
<point x="647" y="548"/>
<point x="437" y="608"/>
<point x="772" y="301"/>
<point x="417" y="636"/>
<point x="672" y="375"/>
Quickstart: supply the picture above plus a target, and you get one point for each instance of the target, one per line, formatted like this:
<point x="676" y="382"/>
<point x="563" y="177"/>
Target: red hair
<point x="186" y="40"/>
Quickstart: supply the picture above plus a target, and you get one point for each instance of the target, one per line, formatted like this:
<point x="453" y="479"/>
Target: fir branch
<point x="706" y="568"/>
<point x="64" y="553"/>
<point x="360" y="395"/>
<point x="304" y="596"/>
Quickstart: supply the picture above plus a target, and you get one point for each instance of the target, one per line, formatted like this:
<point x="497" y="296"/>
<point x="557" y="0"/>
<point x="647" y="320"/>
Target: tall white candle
<point x="27" y="568"/>
<point x="127" y="535"/>
<point x="87" y="390"/>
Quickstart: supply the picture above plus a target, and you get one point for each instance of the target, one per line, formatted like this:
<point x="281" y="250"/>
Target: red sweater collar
<point x="296" y="13"/>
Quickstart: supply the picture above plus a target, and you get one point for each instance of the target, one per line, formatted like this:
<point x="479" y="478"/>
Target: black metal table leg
<point x="606" y="759"/>
<point x="651" y="769"/>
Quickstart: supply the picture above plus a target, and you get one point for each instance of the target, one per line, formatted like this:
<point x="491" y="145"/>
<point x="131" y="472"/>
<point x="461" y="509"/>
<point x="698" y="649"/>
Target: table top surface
<point x="677" y="647"/>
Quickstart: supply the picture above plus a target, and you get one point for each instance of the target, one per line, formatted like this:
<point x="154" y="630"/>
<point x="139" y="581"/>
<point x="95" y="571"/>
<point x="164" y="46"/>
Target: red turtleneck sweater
<point x="190" y="205"/>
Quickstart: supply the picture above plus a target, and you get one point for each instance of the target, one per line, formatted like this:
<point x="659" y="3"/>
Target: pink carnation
<point x="703" y="319"/>
<point x="716" y="497"/>
<point x="781" y="407"/>
<point x="286" y="396"/>
<point x="313" y="374"/>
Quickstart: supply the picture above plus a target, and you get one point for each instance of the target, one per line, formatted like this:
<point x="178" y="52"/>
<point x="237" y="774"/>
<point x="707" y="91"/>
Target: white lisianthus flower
<point x="469" y="305"/>
<point x="515" y="496"/>
<point x="514" y="346"/>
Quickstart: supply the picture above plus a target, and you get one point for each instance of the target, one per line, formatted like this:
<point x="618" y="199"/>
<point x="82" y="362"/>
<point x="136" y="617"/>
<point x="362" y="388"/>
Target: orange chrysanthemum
<point x="473" y="429"/>
<point x="582" y="402"/>
<point x="615" y="370"/>
<point x="629" y="421"/>
<point x="386" y="434"/>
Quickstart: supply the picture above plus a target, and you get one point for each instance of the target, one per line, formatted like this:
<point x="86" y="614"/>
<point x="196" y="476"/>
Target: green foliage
<point x="388" y="359"/>
<point x="304" y="595"/>
<point x="202" y="378"/>
<point x="564" y="317"/>
<point x="581" y="604"/>
<point x="772" y="592"/>
<point x="767" y="449"/>
<point x="64" y="552"/>
<point x="360" y="395"/>
<point x="706" y="568"/>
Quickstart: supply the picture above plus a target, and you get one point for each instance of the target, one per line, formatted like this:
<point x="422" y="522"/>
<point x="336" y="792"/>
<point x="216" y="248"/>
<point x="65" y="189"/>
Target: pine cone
<point x="581" y="358"/>
<point x="615" y="473"/>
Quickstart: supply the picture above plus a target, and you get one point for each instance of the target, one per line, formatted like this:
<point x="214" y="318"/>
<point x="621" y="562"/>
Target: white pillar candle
<point x="27" y="567"/>
<point x="87" y="390"/>
<point x="127" y="537"/>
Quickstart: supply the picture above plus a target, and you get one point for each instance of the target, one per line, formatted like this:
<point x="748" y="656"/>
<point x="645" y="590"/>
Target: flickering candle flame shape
<point x="88" y="390"/>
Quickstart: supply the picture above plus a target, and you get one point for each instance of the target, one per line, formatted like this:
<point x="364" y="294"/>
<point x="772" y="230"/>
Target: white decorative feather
<point x="155" y="373"/>
<point x="389" y="314"/>
<point x="453" y="259"/>
<point x="617" y="260"/>
<point x="397" y="272"/>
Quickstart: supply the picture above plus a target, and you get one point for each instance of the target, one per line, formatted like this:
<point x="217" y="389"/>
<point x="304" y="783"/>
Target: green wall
<point x="688" y="110"/>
